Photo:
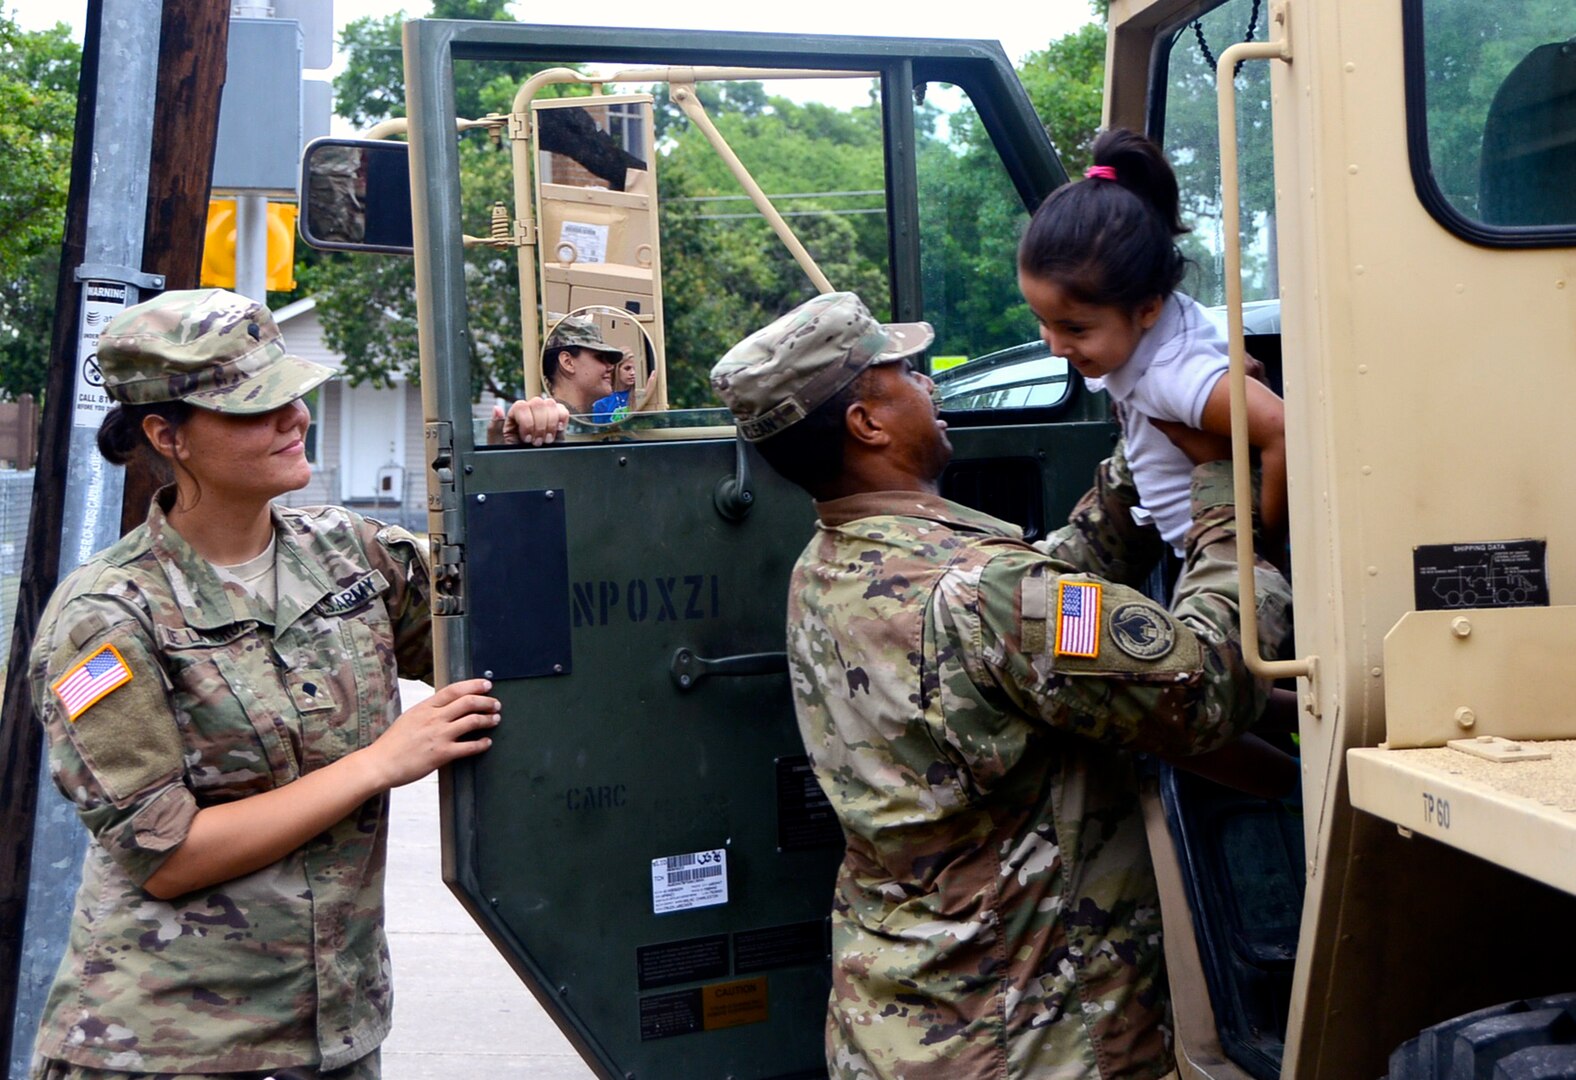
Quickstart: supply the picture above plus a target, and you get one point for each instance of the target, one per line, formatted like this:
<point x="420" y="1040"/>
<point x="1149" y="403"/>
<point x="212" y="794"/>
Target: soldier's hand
<point x="433" y="733"/>
<point x="1199" y="446"/>
<point x="533" y="422"/>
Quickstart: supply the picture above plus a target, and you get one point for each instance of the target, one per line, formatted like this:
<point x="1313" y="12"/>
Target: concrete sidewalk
<point x="460" y="1012"/>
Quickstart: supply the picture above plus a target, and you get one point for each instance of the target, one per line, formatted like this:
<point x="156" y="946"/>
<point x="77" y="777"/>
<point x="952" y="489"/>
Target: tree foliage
<point x="725" y="273"/>
<point x="1065" y="81"/>
<point x="1469" y="49"/>
<point x="38" y="98"/>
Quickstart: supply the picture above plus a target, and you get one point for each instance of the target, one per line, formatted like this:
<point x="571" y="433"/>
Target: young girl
<point x="1099" y="266"/>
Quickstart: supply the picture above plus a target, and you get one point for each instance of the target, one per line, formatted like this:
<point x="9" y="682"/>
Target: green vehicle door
<point x="645" y="841"/>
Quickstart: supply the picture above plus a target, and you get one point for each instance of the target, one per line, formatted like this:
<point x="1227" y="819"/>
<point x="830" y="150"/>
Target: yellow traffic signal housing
<point x="218" y="254"/>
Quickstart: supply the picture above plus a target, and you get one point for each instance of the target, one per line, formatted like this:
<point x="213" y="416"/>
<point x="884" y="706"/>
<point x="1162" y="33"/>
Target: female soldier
<point x="220" y="690"/>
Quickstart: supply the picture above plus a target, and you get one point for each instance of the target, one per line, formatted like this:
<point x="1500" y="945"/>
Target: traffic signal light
<point x="218" y="253"/>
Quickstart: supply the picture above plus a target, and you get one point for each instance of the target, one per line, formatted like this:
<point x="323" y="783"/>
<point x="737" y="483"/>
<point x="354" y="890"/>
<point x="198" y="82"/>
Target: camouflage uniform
<point x="166" y="687"/>
<point x="996" y="912"/>
<point x="227" y="698"/>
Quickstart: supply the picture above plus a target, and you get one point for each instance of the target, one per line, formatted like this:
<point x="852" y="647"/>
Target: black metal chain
<point x="1203" y="46"/>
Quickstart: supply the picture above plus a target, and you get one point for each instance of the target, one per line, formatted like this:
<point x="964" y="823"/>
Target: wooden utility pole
<point x="192" y="40"/>
<point x="185" y="124"/>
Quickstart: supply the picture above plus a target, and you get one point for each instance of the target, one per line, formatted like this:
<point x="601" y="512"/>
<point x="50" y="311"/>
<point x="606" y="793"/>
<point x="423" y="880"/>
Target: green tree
<point x="972" y="216"/>
<point x="38" y="97"/>
<point x="725" y="272"/>
<point x="1468" y="50"/>
<point x="372" y="86"/>
<point x="1065" y="80"/>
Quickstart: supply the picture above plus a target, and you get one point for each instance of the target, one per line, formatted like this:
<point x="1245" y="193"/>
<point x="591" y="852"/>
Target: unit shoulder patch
<point x="1141" y="632"/>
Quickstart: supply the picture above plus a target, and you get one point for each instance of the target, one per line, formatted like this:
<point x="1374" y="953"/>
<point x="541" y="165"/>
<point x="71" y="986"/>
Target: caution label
<point x="733" y="1004"/>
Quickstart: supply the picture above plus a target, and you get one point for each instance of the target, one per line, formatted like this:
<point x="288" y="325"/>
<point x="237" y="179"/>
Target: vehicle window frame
<point x="1420" y="158"/>
<point x="981" y="70"/>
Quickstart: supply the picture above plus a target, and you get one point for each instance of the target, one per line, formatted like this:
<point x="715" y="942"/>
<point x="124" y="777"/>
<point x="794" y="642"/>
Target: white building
<point x="366" y="443"/>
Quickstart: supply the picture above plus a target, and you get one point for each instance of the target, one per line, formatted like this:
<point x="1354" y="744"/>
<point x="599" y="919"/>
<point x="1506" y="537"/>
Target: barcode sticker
<point x="681" y="882"/>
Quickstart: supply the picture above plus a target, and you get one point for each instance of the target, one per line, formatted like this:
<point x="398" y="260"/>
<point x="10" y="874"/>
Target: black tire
<point x="1520" y="1040"/>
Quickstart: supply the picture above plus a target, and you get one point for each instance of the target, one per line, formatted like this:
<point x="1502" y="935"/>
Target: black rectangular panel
<point x="517" y="584"/>
<point x="804" y="814"/>
<point x="1499" y="573"/>
<point x="682" y="961"/>
<point x="775" y="947"/>
<point x="665" y="1015"/>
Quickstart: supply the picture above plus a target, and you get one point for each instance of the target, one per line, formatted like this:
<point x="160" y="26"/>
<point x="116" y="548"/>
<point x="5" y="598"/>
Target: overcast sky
<point x="1020" y="27"/>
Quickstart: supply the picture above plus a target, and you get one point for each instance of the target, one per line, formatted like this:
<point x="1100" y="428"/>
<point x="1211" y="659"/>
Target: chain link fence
<point x="16" y="503"/>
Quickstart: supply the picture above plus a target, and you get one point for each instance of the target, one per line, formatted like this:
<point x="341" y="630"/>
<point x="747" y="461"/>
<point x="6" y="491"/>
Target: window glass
<point x="970" y="219"/>
<point x="1191" y="137"/>
<point x="1499" y="91"/>
<point x="814" y="146"/>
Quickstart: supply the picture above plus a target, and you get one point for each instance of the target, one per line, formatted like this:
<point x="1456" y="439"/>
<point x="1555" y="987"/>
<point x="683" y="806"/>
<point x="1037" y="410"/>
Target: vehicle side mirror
<point x="355" y="196"/>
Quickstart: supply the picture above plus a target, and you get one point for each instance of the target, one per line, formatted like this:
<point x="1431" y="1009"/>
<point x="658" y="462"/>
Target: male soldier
<point x="969" y="703"/>
<point x="577" y="365"/>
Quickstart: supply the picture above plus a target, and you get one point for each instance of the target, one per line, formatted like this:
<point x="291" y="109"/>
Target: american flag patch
<point x="90" y="680"/>
<point x="1077" y="618"/>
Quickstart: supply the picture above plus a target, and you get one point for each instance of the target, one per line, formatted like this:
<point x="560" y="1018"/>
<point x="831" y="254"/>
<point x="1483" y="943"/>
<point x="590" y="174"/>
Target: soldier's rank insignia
<point x="1141" y="632"/>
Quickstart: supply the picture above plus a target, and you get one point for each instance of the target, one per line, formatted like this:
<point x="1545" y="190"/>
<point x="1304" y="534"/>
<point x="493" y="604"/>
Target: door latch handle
<point x="734" y="495"/>
<point x="688" y="670"/>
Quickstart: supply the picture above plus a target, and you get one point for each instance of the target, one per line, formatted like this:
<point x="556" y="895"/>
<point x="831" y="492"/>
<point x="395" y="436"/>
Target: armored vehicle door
<point x="645" y="841"/>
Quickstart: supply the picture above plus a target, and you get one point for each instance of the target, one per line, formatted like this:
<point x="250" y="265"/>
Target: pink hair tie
<point x="1101" y="172"/>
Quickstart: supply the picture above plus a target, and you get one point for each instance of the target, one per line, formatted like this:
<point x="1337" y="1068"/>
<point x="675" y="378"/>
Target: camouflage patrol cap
<point x="216" y="350"/>
<point x="574" y="333"/>
<point x="779" y="375"/>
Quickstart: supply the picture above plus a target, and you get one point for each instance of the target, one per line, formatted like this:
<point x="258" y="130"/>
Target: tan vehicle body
<point x="1428" y="384"/>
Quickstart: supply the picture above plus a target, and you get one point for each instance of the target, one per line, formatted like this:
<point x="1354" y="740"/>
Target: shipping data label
<point x="684" y="882"/>
<point x="101" y="302"/>
<point x="588" y="241"/>
<point x="1499" y="573"/>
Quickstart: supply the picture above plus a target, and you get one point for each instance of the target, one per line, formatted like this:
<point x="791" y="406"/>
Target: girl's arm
<point x="1266" y="433"/>
<point x="233" y="839"/>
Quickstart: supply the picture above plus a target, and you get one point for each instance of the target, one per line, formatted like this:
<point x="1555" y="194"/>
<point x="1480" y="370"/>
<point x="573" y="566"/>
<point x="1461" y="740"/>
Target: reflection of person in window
<point x="616" y="405"/>
<point x="577" y="365"/>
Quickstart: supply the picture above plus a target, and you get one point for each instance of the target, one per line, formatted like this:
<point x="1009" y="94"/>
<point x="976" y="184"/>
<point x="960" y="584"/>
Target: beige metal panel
<point x="1493" y="671"/>
<point x="1417" y="436"/>
<point x="1521" y="815"/>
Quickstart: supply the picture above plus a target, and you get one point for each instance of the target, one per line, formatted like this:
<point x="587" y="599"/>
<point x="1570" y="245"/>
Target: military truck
<point x="649" y="849"/>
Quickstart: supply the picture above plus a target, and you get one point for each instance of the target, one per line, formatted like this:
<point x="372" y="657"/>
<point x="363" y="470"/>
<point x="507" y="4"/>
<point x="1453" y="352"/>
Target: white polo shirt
<point x="1168" y="377"/>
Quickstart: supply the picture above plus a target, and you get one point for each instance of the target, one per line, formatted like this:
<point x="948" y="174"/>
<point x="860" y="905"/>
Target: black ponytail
<point x="1111" y="240"/>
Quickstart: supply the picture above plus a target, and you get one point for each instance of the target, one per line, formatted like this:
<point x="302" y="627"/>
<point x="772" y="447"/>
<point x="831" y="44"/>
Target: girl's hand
<point x="434" y="732"/>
